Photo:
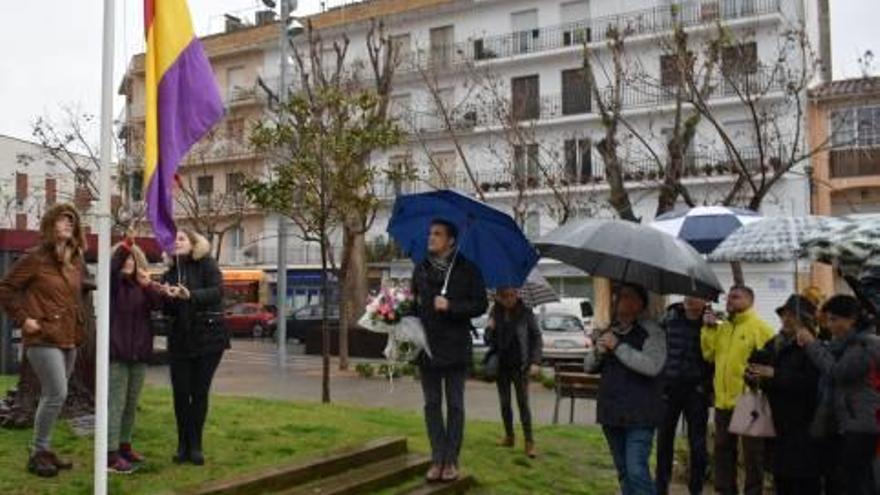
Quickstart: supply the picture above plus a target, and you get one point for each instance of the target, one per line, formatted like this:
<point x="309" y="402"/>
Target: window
<point x="399" y="171"/>
<point x="575" y="93"/>
<point x="577" y="16"/>
<point x="21" y="188"/>
<point x="21" y="221"/>
<point x="578" y="160"/>
<point x="234" y="183"/>
<point x="236" y="239"/>
<point x="525" y="97"/>
<point x="731" y="9"/>
<point x="235" y="130"/>
<point x="403" y="44"/>
<point x="136" y="186"/>
<point x="236" y="82"/>
<point x="855" y="127"/>
<point x="670" y="70"/>
<point x="739" y="59"/>
<point x="533" y="224"/>
<point x="205" y="185"/>
<point x="442" y="103"/>
<point x="443" y="170"/>
<point x="525" y="31"/>
<point x="51" y="191"/>
<point x="442" y="45"/>
<point x="526" y="167"/>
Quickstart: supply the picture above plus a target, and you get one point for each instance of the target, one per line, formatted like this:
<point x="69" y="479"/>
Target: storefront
<point x="304" y="288"/>
<point x="241" y="286"/>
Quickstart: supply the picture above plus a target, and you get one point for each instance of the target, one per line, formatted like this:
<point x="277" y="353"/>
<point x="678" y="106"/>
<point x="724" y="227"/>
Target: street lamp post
<point x="287" y="31"/>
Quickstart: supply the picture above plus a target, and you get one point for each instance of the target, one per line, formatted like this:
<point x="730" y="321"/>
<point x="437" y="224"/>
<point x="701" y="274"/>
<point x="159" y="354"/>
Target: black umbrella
<point x="632" y="253"/>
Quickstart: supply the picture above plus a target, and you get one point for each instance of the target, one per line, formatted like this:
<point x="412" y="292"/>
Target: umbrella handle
<point x="448" y="274"/>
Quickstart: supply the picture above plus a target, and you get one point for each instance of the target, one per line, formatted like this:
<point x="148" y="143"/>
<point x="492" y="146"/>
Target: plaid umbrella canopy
<point x="773" y="239"/>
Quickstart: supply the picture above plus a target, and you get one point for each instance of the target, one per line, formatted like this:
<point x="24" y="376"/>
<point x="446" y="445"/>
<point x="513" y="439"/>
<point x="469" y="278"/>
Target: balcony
<point x="855" y="162"/>
<point x="698" y="167"/>
<point x="634" y="23"/>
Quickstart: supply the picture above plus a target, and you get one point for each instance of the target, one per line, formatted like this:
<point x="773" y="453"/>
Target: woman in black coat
<point x="791" y="380"/>
<point x="197" y="338"/>
<point x="514" y="341"/>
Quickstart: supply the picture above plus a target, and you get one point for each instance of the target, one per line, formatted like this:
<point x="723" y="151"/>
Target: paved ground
<point x="251" y="368"/>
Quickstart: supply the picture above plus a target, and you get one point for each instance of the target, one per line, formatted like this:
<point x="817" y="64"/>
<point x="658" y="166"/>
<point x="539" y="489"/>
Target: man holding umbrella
<point x="630" y="356"/>
<point x="449" y="291"/>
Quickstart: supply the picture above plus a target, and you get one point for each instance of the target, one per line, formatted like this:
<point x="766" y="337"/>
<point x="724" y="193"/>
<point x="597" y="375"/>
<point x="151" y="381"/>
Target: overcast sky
<point x="50" y="50"/>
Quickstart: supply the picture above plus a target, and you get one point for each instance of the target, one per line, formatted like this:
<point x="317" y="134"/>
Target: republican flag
<point x="182" y="104"/>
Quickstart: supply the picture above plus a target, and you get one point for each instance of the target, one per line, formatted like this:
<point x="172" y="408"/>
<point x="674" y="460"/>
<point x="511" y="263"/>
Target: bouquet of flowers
<point x="391" y="311"/>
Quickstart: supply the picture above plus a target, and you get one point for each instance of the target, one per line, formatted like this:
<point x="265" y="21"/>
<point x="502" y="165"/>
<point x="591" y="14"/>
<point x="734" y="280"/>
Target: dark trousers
<point x="520" y="381"/>
<point x="445" y="435"/>
<point x="191" y="382"/>
<point x="631" y="450"/>
<point x="726" y="454"/>
<point x="856" y="463"/>
<point x="787" y="485"/>
<point x="692" y="402"/>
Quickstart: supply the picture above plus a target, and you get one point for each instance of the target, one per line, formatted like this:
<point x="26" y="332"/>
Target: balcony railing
<point x="639" y="22"/>
<point x="855" y="162"/>
<point x="697" y="166"/>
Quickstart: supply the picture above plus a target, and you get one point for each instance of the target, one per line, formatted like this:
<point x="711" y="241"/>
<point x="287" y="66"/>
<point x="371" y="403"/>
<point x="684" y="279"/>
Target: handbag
<point x="490" y="366"/>
<point x="752" y="416"/>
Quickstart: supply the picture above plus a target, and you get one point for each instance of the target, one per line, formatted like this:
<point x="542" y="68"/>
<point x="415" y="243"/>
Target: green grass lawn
<point x="245" y="434"/>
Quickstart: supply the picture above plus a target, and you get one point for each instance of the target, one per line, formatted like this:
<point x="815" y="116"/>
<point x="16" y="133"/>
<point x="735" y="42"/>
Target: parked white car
<point x="564" y="337"/>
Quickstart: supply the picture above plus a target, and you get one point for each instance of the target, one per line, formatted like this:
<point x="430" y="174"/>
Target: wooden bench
<point x="572" y="383"/>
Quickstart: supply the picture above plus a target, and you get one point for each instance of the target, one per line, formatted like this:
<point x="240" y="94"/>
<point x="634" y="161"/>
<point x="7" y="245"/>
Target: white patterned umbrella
<point x="773" y="239"/>
<point x="853" y="244"/>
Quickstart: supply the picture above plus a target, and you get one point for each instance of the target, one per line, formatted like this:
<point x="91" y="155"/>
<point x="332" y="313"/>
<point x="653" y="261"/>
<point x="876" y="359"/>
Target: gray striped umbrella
<point x="537" y="291"/>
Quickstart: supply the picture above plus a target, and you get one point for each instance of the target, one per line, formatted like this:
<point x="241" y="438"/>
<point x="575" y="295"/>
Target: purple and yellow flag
<point x="182" y="104"/>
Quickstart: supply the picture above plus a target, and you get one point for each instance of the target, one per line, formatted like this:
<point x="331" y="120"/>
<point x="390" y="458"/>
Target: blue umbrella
<point x="704" y="227"/>
<point x="487" y="237"/>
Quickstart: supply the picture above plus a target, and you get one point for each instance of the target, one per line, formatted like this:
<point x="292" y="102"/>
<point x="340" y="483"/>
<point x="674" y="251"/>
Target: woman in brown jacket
<point x="42" y="294"/>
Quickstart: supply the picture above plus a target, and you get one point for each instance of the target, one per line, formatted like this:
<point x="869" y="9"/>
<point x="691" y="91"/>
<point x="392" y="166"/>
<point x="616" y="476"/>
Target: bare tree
<point x="212" y="214"/>
<point x="69" y="143"/>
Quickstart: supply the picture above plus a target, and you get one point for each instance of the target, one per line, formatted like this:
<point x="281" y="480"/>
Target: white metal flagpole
<point x="102" y="354"/>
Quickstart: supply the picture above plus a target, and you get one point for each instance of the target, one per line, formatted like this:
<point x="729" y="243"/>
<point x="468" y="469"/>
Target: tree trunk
<point x="18" y="408"/>
<point x="737" y="269"/>
<point x="355" y="284"/>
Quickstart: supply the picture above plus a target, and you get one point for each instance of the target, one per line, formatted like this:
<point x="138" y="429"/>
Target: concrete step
<point x="366" y="479"/>
<point x="300" y="473"/>
<point x="462" y="485"/>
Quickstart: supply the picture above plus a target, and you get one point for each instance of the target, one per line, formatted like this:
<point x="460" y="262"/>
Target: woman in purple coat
<point x="133" y="296"/>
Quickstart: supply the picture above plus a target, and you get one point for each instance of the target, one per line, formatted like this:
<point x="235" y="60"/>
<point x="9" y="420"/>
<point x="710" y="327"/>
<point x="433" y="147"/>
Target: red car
<point x="249" y="319"/>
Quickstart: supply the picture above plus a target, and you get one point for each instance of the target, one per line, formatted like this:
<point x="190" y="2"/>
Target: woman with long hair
<point x="133" y="296"/>
<point x="43" y="295"/>
<point x="197" y="338"/>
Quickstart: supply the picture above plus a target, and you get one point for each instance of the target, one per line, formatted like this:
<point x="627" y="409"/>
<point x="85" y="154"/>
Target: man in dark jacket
<point x="449" y="291"/>
<point x="630" y="356"/>
<point x="684" y="380"/>
<point x="785" y="372"/>
<point x="514" y="341"/>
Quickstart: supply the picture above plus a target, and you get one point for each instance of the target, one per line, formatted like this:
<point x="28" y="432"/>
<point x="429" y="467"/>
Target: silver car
<point x="564" y="337"/>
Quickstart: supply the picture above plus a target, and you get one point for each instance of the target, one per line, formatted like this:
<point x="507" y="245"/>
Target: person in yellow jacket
<point x="728" y="344"/>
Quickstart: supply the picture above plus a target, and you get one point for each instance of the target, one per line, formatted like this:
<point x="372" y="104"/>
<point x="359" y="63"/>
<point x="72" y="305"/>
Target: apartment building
<point x="470" y="68"/>
<point x="31" y="180"/>
<point x="844" y="124"/>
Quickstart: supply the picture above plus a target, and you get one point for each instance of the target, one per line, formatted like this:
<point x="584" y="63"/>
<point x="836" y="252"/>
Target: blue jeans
<point x="631" y="449"/>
